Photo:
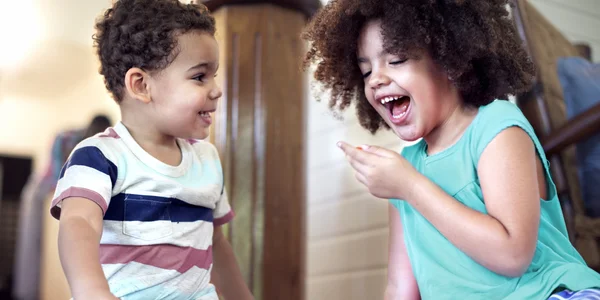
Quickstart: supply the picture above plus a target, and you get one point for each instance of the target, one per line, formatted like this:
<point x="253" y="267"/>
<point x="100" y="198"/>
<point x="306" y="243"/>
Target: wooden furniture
<point x="306" y="7"/>
<point x="545" y="108"/>
<point x="259" y="131"/>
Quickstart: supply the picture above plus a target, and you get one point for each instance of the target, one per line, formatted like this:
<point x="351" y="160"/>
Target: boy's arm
<point x="78" y="243"/>
<point x="226" y="274"/>
<point x="401" y="283"/>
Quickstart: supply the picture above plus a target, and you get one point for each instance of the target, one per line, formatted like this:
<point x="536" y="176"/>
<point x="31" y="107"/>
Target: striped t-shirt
<point x="158" y="219"/>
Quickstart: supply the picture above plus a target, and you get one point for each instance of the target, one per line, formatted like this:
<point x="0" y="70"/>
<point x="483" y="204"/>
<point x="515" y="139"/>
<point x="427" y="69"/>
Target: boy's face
<point x="409" y="94"/>
<point x="185" y="94"/>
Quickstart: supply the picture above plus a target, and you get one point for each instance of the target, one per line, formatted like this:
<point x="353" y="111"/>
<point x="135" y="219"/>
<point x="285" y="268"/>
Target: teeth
<point x="204" y="114"/>
<point x="399" y="116"/>
<point x="389" y="99"/>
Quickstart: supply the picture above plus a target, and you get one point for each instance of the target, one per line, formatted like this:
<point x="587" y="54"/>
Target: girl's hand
<point x="384" y="172"/>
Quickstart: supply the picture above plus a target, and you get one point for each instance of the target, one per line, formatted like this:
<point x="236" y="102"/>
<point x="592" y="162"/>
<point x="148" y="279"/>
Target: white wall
<point x="346" y="227"/>
<point x="578" y="20"/>
<point x="54" y="84"/>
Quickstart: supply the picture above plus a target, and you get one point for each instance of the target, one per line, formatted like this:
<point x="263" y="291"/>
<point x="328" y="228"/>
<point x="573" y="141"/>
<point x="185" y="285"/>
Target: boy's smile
<point x="206" y="117"/>
<point x="185" y="94"/>
<point x="175" y="101"/>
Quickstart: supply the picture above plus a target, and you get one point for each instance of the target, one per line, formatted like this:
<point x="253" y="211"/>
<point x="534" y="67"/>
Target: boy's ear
<point x="136" y="83"/>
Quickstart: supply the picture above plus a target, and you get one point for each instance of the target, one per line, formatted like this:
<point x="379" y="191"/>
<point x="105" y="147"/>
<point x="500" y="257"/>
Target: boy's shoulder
<point x="107" y="138"/>
<point x="108" y="143"/>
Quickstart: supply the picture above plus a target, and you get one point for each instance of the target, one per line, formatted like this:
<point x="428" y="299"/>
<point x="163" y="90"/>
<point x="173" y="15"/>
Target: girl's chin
<point x="407" y="134"/>
<point x="409" y="139"/>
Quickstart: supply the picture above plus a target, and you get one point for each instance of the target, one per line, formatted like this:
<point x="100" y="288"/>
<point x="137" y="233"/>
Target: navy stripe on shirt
<point x="92" y="157"/>
<point x="131" y="207"/>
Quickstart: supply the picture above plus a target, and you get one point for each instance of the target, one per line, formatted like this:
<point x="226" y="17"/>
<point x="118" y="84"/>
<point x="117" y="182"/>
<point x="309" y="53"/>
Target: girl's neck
<point x="448" y="132"/>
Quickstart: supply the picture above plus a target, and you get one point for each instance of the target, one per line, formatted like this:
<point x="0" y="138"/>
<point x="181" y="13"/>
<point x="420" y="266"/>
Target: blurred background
<point x="307" y="229"/>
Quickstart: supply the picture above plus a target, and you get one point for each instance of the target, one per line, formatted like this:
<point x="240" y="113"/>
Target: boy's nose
<point x="216" y="93"/>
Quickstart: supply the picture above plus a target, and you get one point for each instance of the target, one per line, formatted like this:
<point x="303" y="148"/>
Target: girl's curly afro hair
<point x="475" y="41"/>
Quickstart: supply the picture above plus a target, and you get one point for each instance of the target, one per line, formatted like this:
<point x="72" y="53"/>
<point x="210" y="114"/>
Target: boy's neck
<point x="451" y="130"/>
<point x="160" y="146"/>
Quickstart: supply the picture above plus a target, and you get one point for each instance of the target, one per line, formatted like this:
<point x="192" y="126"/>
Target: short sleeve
<point x="87" y="174"/>
<point x="495" y="118"/>
<point x="222" y="213"/>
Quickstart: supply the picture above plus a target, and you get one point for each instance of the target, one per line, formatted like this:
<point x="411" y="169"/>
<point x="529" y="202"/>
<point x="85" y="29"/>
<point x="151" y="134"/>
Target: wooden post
<point x="260" y="131"/>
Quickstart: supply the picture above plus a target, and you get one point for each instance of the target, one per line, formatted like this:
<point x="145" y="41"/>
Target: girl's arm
<point x="401" y="283"/>
<point x="512" y="181"/>
<point x="79" y="235"/>
<point x="226" y="273"/>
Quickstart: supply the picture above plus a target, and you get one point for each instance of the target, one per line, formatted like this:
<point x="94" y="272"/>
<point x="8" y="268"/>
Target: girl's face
<point x="413" y="96"/>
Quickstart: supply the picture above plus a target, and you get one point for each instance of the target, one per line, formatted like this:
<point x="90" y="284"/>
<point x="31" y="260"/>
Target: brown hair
<point x="474" y="41"/>
<point x="143" y="34"/>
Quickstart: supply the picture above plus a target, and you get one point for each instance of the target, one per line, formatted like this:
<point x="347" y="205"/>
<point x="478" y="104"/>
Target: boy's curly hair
<point x="474" y="41"/>
<point x="143" y="34"/>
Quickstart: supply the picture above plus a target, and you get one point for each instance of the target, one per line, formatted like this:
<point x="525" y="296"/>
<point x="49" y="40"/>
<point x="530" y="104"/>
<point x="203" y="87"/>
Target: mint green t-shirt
<point x="442" y="270"/>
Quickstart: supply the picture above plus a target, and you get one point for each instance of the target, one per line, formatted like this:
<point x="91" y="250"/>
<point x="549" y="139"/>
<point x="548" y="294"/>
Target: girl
<point x="474" y="213"/>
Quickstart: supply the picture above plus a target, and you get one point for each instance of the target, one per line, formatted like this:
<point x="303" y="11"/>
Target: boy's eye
<point x="367" y="74"/>
<point x="199" y="77"/>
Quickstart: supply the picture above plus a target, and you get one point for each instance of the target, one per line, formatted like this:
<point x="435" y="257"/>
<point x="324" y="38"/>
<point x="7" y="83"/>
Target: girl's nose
<point x="378" y="79"/>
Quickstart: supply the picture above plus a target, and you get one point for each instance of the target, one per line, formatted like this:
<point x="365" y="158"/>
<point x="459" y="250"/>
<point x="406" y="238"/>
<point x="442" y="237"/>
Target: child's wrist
<point x="419" y="183"/>
<point x="92" y="291"/>
<point x="95" y="295"/>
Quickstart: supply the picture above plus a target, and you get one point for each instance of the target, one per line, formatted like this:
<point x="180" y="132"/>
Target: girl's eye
<point x="199" y="77"/>
<point x="367" y="74"/>
<point x="398" y="62"/>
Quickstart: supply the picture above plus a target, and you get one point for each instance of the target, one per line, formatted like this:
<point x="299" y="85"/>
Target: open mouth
<point x="398" y="107"/>
<point x="205" y="116"/>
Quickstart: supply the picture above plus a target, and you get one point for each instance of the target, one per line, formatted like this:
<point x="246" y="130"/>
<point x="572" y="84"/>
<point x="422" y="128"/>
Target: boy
<point x="140" y="205"/>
